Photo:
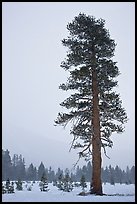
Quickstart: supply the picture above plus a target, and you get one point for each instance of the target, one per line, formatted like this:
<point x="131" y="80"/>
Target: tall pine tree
<point x="95" y="108"/>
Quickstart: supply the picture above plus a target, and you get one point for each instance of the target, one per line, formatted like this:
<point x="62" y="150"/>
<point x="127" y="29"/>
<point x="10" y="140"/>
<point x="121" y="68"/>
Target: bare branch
<point x="105" y="151"/>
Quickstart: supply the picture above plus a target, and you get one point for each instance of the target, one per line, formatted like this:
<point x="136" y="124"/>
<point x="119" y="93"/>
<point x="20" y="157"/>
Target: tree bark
<point x="96" y="183"/>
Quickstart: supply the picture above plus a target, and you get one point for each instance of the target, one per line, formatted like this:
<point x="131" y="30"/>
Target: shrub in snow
<point x="7" y="185"/>
<point x="68" y="184"/>
<point x="44" y="183"/>
<point x="3" y="188"/>
<point x="76" y="184"/>
<point x="65" y="183"/>
<point x="83" y="183"/>
<point x="19" y="185"/>
<point x="8" y="188"/>
<point x="60" y="182"/>
<point x="11" y="188"/>
<point x="29" y="188"/>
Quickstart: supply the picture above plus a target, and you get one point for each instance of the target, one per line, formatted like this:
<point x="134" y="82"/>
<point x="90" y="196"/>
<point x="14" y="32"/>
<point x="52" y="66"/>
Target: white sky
<point x="31" y="56"/>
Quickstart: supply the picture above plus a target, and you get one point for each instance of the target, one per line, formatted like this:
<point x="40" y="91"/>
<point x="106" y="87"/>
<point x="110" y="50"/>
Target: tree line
<point x="63" y="183"/>
<point x="14" y="168"/>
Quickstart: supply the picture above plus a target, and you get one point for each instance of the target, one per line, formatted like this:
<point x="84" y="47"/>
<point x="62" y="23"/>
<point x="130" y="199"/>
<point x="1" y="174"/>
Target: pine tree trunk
<point x="96" y="183"/>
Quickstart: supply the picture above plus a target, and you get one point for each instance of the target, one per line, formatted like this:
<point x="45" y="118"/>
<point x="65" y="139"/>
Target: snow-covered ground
<point x="119" y="193"/>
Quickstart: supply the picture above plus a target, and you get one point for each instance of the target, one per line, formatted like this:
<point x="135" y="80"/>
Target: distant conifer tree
<point x="67" y="183"/>
<point x="60" y="182"/>
<point x="19" y="186"/>
<point x="44" y="183"/>
<point x="3" y="188"/>
<point x="11" y="187"/>
<point x="83" y="183"/>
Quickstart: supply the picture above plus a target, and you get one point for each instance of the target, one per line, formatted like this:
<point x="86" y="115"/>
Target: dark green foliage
<point x="51" y="175"/>
<point x="44" y="183"/>
<point x="6" y="165"/>
<point x="60" y="183"/>
<point x="3" y="188"/>
<point x="31" y="173"/>
<point x="7" y="184"/>
<point x="11" y="189"/>
<point x="18" y="167"/>
<point x="87" y="37"/>
<point x="83" y="183"/>
<point x="19" y="185"/>
<point x="12" y="168"/>
<point x="41" y="170"/>
<point x="68" y="184"/>
<point x="132" y="174"/>
<point x="8" y="188"/>
<point x="29" y="188"/>
<point x="112" y="175"/>
<point x="76" y="184"/>
<point x="65" y="183"/>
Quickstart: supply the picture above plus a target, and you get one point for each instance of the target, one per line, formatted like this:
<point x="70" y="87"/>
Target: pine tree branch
<point x="105" y="151"/>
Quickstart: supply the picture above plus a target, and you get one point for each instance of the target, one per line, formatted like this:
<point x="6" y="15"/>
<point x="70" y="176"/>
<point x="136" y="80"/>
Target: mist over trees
<point x="14" y="168"/>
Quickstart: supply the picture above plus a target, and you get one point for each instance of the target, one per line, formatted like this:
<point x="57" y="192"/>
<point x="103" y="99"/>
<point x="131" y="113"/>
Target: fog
<point x="31" y="74"/>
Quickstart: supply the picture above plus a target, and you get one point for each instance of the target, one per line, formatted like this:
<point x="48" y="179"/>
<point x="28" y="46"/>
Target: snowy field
<point x="115" y="193"/>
